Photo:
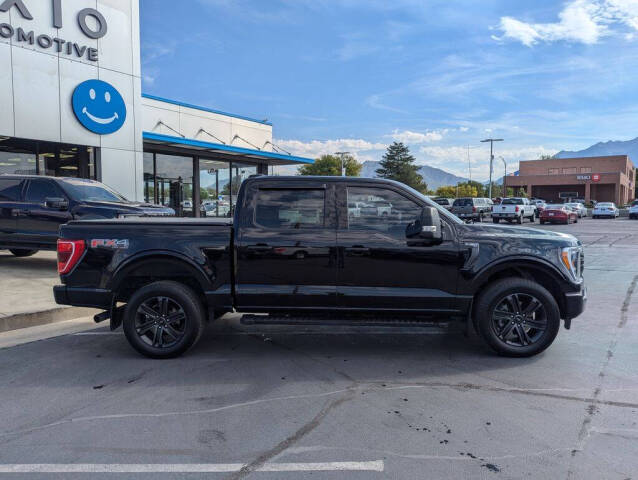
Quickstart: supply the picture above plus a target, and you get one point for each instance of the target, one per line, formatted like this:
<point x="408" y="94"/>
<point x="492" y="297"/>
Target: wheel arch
<point x="541" y="272"/>
<point x="149" y="267"/>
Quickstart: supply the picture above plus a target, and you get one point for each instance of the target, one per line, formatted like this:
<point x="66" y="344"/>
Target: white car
<point x="633" y="210"/>
<point x="580" y="209"/>
<point x="605" y="209"/>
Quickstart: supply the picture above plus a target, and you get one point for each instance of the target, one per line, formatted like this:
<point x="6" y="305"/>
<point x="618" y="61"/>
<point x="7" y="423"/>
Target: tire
<point x="480" y="218"/>
<point x="519" y="220"/>
<point x="532" y="218"/>
<point x="576" y="221"/>
<point x="512" y="343"/>
<point x="496" y="220"/>
<point x="187" y="328"/>
<point x="21" y="252"/>
<point x="542" y="222"/>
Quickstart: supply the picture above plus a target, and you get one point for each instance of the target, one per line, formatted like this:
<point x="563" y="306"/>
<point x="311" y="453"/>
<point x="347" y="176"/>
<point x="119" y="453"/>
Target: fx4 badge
<point x="113" y="243"/>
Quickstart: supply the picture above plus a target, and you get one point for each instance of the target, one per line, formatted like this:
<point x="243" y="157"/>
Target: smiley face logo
<point x="99" y="107"/>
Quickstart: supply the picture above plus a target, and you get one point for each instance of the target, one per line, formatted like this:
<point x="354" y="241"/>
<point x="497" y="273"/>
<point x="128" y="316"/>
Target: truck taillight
<point x="69" y="254"/>
<point x="516" y="209"/>
<point x="473" y="209"/>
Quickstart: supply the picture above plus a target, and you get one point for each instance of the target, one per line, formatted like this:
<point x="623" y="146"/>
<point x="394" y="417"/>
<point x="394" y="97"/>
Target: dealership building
<point x="72" y="105"/>
<point x="603" y="179"/>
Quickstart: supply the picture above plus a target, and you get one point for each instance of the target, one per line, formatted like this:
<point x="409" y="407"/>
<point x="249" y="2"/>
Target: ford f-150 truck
<point x="293" y="252"/>
<point x="514" y="210"/>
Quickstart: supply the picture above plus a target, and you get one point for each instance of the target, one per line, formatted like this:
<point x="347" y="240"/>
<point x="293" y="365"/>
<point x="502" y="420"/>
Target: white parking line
<point x="371" y="466"/>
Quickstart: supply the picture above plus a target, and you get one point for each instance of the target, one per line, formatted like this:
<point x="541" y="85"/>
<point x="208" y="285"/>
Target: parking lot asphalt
<point x="329" y="403"/>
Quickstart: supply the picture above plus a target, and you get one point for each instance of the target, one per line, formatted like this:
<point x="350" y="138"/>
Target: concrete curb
<point x="33" y="319"/>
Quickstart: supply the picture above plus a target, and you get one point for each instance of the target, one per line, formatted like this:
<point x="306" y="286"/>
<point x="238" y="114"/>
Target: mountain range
<point x="612" y="147"/>
<point x="434" y="177"/>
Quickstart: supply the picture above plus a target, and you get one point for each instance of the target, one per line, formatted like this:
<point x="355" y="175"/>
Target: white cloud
<point x="580" y="21"/>
<point x="316" y="148"/>
<point x="454" y="159"/>
<point x="409" y="137"/>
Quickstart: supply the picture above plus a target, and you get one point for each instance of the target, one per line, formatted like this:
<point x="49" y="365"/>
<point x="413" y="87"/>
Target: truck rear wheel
<point x="517" y="317"/>
<point x="21" y="252"/>
<point x="163" y="319"/>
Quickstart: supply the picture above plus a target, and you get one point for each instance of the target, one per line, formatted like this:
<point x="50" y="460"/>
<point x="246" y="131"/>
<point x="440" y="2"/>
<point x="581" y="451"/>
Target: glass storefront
<point x="29" y="157"/>
<point x="171" y="180"/>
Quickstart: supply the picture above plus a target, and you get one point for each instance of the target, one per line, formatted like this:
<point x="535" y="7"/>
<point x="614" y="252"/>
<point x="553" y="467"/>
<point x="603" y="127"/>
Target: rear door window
<point x="290" y="208"/>
<point x="10" y="189"/>
<point x="39" y="190"/>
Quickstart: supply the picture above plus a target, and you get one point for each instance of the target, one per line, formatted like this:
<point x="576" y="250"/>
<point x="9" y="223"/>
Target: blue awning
<point x="246" y="154"/>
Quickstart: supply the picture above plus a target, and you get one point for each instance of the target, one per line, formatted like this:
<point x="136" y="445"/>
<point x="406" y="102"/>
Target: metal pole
<point x="504" y="184"/>
<point x="491" y="163"/>
<point x="491" y="140"/>
<point x="343" y="164"/>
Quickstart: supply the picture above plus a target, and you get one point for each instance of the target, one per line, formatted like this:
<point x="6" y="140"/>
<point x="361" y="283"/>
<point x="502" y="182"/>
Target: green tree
<point x="545" y="156"/>
<point x="398" y="164"/>
<point x="481" y="190"/>
<point x="447" y="191"/>
<point x="203" y="194"/>
<point x="330" y="165"/>
<point x="235" y="185"/>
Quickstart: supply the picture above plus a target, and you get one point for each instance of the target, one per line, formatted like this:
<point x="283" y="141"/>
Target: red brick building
<point x="604" y="179"/>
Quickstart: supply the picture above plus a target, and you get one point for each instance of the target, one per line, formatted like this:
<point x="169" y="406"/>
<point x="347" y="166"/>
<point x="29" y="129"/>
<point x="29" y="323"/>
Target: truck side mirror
<point x="426" y="228"/>
<point x="56" y="203"/>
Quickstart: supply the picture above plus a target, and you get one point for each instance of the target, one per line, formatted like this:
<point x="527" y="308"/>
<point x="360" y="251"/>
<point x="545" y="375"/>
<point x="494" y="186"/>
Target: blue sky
<point x="438" y="74"/>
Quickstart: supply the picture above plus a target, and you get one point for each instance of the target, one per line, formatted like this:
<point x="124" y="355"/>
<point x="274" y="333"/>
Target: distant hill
<point x="434" y="177"/>
<point x="629" y="147"/>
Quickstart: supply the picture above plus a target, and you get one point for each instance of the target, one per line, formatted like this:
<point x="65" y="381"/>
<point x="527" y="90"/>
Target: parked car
<point x="580" y="208"/>
<point x="468" y="208"/>
<point x="512" y="285"/>
<point x="558" y="213"/>
<point x="633" y="210"/>
<point x="605" y="209"/>
<point x="540" y="206"/>
<point x="32" y="208"/>
<point x="514" y="209"/>
<point x="445" y="202"/>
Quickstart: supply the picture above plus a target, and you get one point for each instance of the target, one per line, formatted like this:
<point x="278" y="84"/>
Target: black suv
<point x="32" y="208"/>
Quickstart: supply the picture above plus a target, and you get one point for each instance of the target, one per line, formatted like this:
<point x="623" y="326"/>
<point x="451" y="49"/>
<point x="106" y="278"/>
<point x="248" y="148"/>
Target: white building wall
<point x="158" y="116"/>
<point x="37" y="84"/>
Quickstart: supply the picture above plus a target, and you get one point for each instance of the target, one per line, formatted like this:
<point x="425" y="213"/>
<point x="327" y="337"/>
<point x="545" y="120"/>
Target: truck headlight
<point x="571" y="258"/>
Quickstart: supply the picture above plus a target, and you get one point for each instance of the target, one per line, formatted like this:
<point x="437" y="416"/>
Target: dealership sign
<point x="594" y="178"/>
<point x="46" y="42"/>
<point x="99" y="107"/>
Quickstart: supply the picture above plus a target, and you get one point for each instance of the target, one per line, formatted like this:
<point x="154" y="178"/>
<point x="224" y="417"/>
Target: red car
<point x="558" y="214"/>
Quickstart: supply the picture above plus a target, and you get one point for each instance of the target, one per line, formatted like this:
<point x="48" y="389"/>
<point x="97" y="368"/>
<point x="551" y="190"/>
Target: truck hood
<point x="479" y="231"/>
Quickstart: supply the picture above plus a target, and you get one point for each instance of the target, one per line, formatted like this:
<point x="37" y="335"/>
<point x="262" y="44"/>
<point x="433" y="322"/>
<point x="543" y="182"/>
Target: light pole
<point x="504" y="184"/>
<point x="491" y="140"/>
<point x="343" y="165"/>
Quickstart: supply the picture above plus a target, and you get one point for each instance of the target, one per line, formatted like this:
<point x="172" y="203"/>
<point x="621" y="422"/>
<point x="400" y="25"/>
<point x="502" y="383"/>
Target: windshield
<point x="513" y="201"/>
<point x="555" y="207"/>
<point x="91" y="191"/>
<point x="635" y="203"/>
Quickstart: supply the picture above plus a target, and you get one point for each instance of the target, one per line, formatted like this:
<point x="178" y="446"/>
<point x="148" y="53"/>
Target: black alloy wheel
<point x="160" y="322"/>
<point x="163" y="319"/>
<point x="519" y="320"/>
<point x="516" y="317"/>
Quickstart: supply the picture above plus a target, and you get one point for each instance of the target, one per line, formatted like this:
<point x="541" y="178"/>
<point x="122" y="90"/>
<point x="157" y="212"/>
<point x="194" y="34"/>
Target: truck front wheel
<point x="517" y="317"/>
<point x="163" y="319"/>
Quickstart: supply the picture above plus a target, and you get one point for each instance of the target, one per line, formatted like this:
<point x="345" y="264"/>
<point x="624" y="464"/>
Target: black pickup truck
<point x="32" y="208"/>
<point x="296" y="251"/>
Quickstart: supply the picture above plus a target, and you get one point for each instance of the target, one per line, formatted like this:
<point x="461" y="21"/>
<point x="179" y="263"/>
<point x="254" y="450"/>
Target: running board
<point x="250" y="319"/>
